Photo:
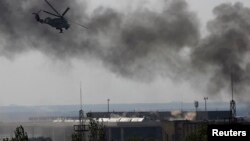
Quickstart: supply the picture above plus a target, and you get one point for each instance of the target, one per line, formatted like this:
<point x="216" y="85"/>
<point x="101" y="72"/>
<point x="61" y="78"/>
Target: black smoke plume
<point x="141" y="44"/>
<point x="138" y="45"/>
<point x="225" y="50"/>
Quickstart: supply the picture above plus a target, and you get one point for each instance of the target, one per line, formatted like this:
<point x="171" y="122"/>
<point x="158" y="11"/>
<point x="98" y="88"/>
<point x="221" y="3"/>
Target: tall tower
<point x="232" y="102"/>
<point x="81" y="116"/>
<point x="81" y="128"/>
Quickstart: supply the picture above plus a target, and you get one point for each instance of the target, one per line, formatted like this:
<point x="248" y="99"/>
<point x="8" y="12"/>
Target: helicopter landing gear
<point x="61" y="31"/>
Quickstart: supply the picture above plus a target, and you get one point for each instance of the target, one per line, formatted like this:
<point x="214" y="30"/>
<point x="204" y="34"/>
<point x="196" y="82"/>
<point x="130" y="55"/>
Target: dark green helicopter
<point x="60" y="22"/>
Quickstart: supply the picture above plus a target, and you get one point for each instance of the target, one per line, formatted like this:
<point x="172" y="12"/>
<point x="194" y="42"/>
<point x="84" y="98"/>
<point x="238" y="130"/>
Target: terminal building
<point x="122" y="126"/>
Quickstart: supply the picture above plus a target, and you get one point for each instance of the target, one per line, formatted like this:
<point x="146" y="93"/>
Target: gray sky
<point x="32" y="78"/>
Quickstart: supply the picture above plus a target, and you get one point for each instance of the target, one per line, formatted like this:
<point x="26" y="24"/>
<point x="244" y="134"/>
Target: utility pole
<point x="205" y="98"/>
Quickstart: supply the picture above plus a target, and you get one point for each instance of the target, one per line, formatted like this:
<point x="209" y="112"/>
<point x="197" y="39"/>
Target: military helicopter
<point x="59" y="22"/>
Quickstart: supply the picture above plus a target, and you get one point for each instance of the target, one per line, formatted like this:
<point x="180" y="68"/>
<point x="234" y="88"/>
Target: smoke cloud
<point x="140" y="45"/>
<point x="225" y="50"/>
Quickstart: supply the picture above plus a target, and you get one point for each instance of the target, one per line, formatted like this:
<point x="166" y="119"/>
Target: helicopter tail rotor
<point x="37" y="17"/>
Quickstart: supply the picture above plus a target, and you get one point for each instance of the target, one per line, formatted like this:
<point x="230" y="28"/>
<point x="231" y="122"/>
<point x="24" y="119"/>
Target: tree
<point x="20" y="135"/>
<point x="101" y="132"/>
<point x="199" y="135"/>
<point x="77" y="136"/>
<point x="96" y="130"/>
<point x="93" y="130"/>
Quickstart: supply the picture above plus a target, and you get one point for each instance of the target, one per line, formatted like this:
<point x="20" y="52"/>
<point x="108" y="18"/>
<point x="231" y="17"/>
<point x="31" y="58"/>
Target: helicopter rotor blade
<point x="76" y="23"/>
<point x="65" y="11"/>
<point x="58" y="14"/>
<point x="51" y="13"/>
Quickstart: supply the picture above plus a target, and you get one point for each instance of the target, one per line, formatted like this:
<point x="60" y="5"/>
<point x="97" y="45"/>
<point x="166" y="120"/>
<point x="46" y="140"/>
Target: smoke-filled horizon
<point x="140" y="45"/>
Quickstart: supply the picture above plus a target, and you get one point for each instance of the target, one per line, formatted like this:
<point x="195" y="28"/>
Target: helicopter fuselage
<point x="58" y="23"/>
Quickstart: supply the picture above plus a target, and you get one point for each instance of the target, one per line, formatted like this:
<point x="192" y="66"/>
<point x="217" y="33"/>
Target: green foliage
<point x="97" y="131"/>
<point x="20" y="135"/>
<point x="101" y="132"/>
<point x="199" y="135"/>
<point x="77" y="137"/>
<point x="93" y="129"/>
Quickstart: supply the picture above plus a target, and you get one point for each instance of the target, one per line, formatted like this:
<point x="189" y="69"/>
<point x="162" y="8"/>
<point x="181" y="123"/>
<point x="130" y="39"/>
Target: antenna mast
<point x="81" y="128"/>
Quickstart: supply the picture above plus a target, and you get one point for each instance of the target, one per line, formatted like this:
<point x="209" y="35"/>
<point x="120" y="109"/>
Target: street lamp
<point x="196" y="105"/>
<point x="108" y="104"/>
<point x="205" y="98"/>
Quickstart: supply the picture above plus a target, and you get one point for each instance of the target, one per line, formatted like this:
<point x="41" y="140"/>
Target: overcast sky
<point x="32" y="78"/>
